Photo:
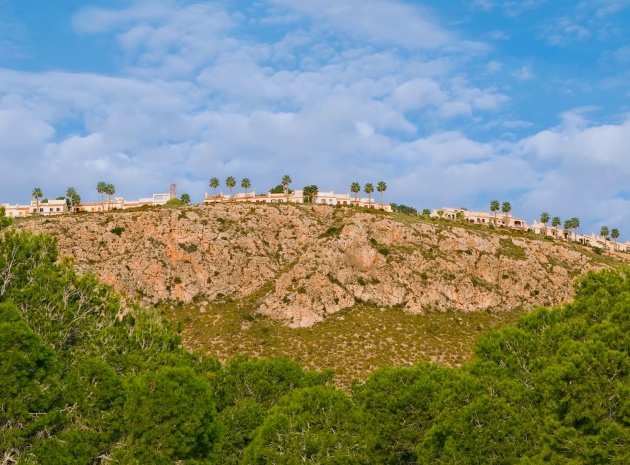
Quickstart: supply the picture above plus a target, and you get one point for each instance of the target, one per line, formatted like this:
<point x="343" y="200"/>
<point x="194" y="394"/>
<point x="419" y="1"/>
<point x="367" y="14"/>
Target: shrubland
<point x="88" y="378"/>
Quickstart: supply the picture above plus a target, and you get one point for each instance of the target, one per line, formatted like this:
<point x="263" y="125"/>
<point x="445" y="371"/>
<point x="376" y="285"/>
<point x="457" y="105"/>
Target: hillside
<point x="88" y="380"/>
<point x="304" y="263"/>
<point x="254" y="279"/>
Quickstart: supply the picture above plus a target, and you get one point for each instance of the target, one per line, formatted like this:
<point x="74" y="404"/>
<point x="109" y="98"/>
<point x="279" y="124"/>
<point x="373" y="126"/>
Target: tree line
<point x="87" y="379"/>
<point x="73" y="199"/>
<point x="309" y="191"/>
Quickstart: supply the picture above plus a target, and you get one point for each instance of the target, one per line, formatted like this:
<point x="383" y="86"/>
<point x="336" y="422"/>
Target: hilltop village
<point x="311" y="195"/>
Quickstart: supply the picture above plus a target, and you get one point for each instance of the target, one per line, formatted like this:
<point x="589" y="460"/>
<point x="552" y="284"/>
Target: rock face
<point x="304" y="262"/>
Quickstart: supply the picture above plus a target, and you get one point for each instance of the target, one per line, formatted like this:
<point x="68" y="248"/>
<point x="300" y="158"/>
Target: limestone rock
<point x="306" y="262"/>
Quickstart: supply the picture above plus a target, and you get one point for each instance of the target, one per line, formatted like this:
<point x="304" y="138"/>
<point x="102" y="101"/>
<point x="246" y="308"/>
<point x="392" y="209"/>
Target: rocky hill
<point x="302" y="263"/>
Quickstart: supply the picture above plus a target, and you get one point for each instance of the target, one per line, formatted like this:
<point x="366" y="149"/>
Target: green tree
<point x="604" y="232"/>
<point x="5" y="221"/>
<point x="544" y="219"/>
<point x="440" y="213"/>
<point x="101" y="188"/>
<point x="286" y="181"/>
<point x="313" y="425"/>
<point x="214" y="184"/>
<point x="355" y="188"/>
<point x="109" y="190"/>
<point x="398" y="407"/>
<point x="381" y="187"/>
<point x="169" y="416"/>
<point x="368" y="189"/>
<point x="230" y="182"/>
<point x="185" y="198"/>
<point x="73" y="198"/>
<point x="37" y="194"/>
<point x="494" y="207"/>
<point x="426" y="212"/>
<point x="246" y="184"/>
<point x="174" y="203"/>
<point x="29" y="372"/>
<point x="506" y="208"/>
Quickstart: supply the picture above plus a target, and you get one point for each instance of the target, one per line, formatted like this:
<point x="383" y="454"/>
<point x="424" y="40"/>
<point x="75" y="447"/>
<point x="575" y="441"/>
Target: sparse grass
<point x="353" y="342"/>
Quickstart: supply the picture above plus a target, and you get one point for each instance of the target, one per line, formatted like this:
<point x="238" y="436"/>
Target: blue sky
<point x="451" y="103"/>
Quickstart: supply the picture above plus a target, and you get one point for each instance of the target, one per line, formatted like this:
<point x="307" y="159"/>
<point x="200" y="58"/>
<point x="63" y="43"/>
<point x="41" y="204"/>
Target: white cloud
<point x="382" y="22"/>
<point x="525" y="73"/>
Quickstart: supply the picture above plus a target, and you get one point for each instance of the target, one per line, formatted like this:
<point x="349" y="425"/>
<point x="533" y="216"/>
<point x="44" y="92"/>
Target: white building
<point x="48" y="207"/>
<point x="296" y="196"/>
<point x="480" y="217"/>
<point x="16" y="211"/>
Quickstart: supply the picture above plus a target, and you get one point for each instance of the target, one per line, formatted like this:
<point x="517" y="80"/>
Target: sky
<point x="450" y="103"/>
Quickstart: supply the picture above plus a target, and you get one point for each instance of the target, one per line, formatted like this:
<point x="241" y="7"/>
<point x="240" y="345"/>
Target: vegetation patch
<point x="118" y="230"/>
<point x="509" y="249"/>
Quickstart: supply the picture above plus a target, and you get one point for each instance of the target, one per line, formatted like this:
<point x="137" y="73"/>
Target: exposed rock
<point x="304" y="262"/>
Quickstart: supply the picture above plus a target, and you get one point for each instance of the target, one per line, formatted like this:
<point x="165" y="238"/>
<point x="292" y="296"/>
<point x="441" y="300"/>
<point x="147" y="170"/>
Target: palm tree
<point x="355" y="188"/>
<point x="230" y="182"/>
<point x="381" y="187"/>
<point x="544" y="219"/>
<point x="614" y="234"/>
<point x="555" y="222"/>
<point x="567" y="226"/>
<point x="575" y="223"/>
<point x="109" y="190"/>
<point x="286" y="180"/>
<point x="604" y="232"/>
<point x="214" y="183"/>
<point x="73" y="197"/>
<point x="310" y="192"/>
<point x="37" y="194"/>
<point x="368" y="189"/>
<point x="185" y="198"/>
<point x="440" y="213"/>
<point x="100" y="188"/>
<point x="506" y="208"/>
<point x="246" y="184"/>
<point x="494" y="207"/>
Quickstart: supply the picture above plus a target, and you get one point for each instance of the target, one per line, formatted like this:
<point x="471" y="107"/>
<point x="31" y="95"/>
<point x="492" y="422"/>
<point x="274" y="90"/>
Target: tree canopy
<point x="87" y="379"/>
